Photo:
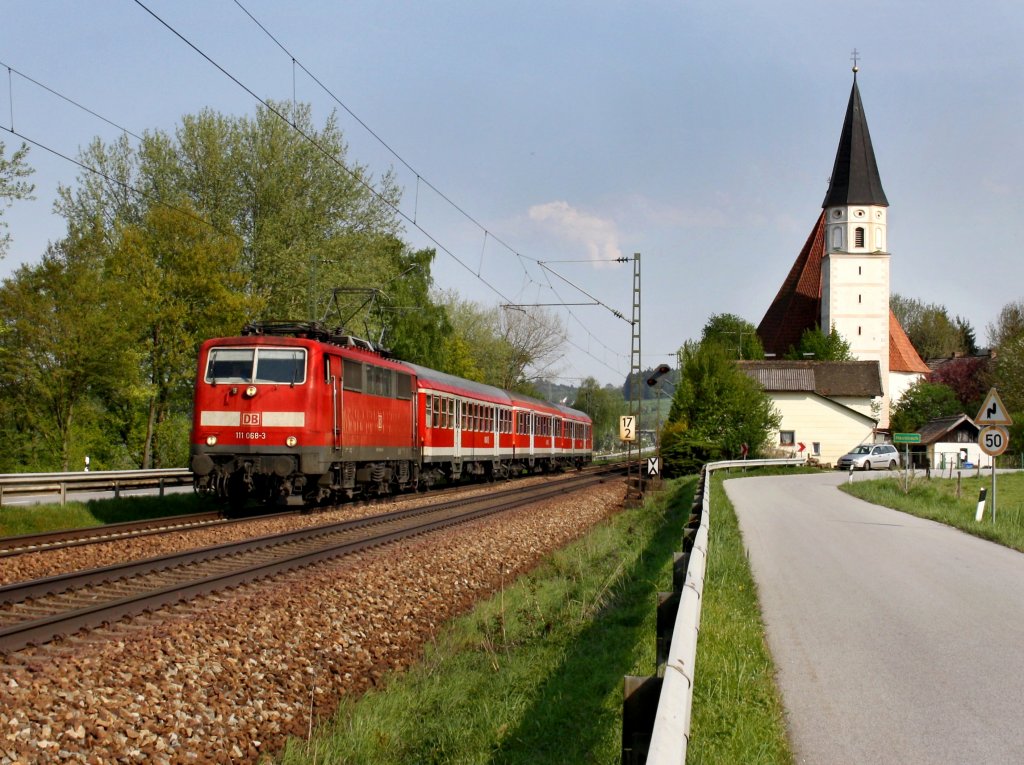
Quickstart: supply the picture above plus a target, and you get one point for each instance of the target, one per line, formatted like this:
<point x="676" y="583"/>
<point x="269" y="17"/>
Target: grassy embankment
<point x="534" y="675"/>
<point x="937" y="500"/>
<point x="35" y="519"/>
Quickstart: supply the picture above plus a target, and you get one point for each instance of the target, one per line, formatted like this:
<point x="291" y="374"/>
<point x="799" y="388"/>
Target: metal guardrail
<point x="657" y="710"/>
<point x="110" y="480"/>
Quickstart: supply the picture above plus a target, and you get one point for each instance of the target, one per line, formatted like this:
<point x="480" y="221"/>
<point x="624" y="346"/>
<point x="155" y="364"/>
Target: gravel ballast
<point x="227" y="678"/>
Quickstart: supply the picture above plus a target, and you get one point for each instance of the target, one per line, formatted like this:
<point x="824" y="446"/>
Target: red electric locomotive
<point x="291" y="413"/>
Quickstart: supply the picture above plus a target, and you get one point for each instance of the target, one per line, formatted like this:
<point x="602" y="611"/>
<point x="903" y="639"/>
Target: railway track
<point x="52" y="540"/>
<point x="64" y="538"/>
<point x="39" y="611"/>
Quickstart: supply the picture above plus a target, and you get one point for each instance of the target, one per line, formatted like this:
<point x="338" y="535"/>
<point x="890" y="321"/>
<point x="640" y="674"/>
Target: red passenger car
<point x="292" y="413"/>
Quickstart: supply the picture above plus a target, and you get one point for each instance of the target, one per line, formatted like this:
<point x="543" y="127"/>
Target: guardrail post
<point x="161" y="487"/>
<point x="63" y="493"/>
<point x="117" y="490"/>
<point x="679" y="563"/>
<point x="639" y="704"/>
<point x="668" y="608"/>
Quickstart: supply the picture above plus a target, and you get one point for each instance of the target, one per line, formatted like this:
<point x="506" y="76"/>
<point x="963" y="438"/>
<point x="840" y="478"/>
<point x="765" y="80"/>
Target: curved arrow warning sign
<point x="993" y="412"/>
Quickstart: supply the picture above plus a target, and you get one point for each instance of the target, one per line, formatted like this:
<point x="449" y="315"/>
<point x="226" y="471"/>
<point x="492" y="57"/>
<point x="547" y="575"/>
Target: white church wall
<point x="900" y="383"/>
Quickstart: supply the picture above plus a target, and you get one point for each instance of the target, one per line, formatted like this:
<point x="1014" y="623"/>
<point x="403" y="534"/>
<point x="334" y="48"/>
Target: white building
<point x="827" y="407"/>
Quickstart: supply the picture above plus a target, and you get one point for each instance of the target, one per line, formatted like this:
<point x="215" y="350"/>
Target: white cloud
<point x="600" y="237"/>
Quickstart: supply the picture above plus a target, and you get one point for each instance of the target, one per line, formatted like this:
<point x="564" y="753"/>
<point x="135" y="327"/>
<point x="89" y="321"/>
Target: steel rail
<point x="52" y="540"/>
<point x="48" y="626"/>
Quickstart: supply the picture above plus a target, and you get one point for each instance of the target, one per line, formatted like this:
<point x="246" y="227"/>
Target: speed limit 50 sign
<point x="993" y="440"/>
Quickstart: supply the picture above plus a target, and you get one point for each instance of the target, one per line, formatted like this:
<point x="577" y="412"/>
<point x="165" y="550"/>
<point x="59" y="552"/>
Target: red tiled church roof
<point x="797" y="306"/>
<point x="903" y="356"/>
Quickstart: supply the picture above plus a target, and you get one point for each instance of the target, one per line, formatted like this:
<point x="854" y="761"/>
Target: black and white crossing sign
<point x="653" y="466"/>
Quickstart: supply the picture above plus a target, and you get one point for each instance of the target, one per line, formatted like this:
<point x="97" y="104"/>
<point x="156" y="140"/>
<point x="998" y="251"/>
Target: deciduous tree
<point x="737" y="336"/>
<point x="177" y="282"/>
<point x="716" y="408"/>
<point x="61" y="346"/>
<point x="816" y="345"/>
<point x="922" y="402"/>
<point x="605" y="406"/>
<point x="13" y="185"/>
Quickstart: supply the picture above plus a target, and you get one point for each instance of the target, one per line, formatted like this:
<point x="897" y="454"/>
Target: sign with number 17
<point x="627" y="427"/>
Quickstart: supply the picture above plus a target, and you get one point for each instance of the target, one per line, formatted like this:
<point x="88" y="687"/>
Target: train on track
<point x="291" y="413"/>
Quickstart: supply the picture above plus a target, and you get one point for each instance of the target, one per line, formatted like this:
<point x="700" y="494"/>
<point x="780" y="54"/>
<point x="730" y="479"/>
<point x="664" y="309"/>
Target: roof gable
<point x="939" y="429"/>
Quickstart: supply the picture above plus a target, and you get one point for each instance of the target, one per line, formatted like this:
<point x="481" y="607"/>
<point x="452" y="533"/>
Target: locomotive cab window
<point x="281" y="365"/>
<point x="262" y="365"/>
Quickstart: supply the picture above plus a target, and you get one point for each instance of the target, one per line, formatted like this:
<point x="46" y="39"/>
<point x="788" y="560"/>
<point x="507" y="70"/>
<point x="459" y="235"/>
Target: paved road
<point x="897" y="640"/>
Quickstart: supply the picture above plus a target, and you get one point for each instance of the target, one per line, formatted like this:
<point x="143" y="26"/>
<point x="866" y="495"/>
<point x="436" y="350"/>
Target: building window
<point x="860" y="270"/>
<point x="858" y="237"/>
<point x="787" y="437"/>
<point x="816" y="447"/>
<point x="858" y="330"/>
<point x="860" y="298"/>
<point x="837" y="238"/>
<point x="878" y="238"/>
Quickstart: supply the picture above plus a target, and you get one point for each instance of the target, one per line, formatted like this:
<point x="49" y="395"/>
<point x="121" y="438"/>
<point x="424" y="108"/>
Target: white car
<point x="868" y="456"/>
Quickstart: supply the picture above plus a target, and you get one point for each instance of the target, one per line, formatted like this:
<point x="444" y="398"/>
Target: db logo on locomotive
<point x="251" y="418"/>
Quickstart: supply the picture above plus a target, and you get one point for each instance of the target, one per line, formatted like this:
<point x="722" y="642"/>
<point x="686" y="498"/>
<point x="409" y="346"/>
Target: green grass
<point x="937" y="500"/>
<point x="534" y="674"/>
<point x="34" y="519"/>
<point x="737" y="710"/>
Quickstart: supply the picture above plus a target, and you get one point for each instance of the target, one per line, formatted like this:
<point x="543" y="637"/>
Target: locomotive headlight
<point x="291" y="441"/>
<point x="250" y="391"/>
<point x="211" y="440"/>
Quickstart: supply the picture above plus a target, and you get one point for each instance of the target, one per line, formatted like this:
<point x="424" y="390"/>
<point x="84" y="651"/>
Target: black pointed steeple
<point x="855" y="179"/>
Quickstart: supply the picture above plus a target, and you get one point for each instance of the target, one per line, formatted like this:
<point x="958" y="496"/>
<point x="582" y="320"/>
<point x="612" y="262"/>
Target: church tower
<point x="855" y="268"/>
<point x="840" y="279"/>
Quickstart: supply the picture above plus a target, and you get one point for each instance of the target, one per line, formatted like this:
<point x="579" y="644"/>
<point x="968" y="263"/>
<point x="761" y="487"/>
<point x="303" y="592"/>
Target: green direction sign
<point x="906" y="438"/>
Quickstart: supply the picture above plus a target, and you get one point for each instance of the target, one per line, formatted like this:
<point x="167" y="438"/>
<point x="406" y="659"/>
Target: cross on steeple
<point x="855" y="57"/>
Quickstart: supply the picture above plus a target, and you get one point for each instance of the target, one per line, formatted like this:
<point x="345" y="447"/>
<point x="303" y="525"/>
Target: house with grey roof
<point x="827" y="407"/>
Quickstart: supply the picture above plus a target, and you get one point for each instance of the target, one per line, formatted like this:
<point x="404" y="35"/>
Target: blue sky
<point x="701" y="135"/>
